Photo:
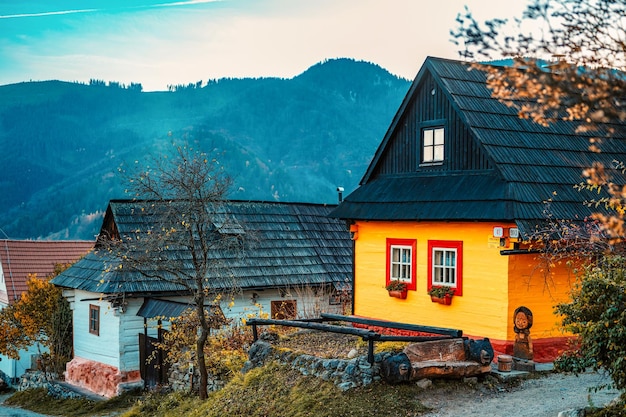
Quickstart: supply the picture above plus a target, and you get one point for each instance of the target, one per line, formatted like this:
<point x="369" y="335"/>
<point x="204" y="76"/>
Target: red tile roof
<point x="20" y="258"/>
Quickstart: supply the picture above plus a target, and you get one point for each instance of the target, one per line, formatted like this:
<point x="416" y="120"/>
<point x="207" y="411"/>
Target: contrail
<point x="61" y="12"/>
<point x="15" y="16"/>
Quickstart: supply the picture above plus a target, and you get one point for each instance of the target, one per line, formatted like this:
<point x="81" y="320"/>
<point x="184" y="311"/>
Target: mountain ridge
<point x="293" y="139"/>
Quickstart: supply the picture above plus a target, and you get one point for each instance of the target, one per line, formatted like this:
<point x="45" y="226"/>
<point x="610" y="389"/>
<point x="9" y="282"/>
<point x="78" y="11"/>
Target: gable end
<point x="428" y="106"/>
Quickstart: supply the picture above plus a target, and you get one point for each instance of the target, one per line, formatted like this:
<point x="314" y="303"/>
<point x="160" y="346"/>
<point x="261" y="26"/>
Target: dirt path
<point x="545" y="396"/>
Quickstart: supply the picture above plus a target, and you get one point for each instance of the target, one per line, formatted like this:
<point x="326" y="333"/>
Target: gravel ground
<point x="544" y="396"/>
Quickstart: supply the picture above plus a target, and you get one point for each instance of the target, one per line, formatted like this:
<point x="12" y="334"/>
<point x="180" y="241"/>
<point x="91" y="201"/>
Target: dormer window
<point x="433" y="139"/>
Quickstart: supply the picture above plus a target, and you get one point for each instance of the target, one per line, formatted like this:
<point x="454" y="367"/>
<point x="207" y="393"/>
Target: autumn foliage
<point x="41" y="316"/>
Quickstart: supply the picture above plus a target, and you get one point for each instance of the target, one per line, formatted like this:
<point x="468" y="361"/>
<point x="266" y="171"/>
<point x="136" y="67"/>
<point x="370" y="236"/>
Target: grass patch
<point x="277" y="390"/>
<point x="39" y="401"/>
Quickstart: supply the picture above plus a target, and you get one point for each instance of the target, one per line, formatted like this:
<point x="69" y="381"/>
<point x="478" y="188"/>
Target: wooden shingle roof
<point x="21" y="258"/>
<point x="292" y="244"/>
<point x="531" y="164"/>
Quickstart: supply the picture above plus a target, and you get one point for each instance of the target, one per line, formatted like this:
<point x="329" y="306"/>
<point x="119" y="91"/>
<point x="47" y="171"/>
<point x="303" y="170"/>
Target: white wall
<point x="104" y="347"/>
<point x="131" y="326"/>
<point x="118" y="342"/>
<point x="4" y="298"/>
<point x="309" y="303"/>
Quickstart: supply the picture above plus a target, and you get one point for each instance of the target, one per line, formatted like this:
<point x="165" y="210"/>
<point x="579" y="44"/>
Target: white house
<point x="298" y="264"/>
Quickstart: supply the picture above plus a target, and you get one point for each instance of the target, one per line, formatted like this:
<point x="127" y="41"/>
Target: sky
<point x="159" y="42"/>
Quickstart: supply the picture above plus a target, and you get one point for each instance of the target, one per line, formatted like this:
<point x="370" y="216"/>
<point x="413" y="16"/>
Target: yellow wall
<point x="535" y="285"/>
<point x="493" y="284"/>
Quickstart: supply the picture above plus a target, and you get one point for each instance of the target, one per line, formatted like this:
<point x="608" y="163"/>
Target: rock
<point x="424" y="383"/>
<point x="257" y="354"/>
<point x="269" y="337"/>
<point x="344" y="386"/>
<point x="396" y="369"/>
<point x="353" y="354"/>
<point x="471" y="380"/>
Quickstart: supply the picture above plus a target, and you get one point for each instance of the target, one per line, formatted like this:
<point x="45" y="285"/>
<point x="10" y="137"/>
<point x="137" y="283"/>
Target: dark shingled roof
<point x="293" y="244"/>
<point x="532" y="164"/>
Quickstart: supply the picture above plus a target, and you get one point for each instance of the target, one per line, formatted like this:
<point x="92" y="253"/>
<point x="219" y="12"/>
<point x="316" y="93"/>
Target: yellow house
<point x="456" y="189"/>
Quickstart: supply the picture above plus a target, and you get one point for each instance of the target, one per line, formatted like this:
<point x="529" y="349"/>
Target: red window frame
<point x="447" y="244"/>
<point x="403" y="242"/>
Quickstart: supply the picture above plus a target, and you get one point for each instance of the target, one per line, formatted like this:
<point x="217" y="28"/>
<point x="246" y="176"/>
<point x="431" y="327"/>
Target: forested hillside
<point x="280" y="139"/>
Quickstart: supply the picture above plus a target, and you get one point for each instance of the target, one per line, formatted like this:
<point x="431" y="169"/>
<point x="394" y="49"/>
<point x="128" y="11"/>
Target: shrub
<point x="597" y="314"/>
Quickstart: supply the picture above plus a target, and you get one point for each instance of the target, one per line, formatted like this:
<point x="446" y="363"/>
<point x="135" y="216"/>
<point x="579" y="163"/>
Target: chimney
<point x="340" y="194"/>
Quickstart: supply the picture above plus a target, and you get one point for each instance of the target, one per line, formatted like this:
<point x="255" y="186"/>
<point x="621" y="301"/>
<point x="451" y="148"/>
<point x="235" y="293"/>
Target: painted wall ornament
<point x="522" y="322"/>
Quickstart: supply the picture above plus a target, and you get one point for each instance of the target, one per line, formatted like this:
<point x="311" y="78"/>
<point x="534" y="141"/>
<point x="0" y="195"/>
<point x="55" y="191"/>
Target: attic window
<point x="432" y="145"/>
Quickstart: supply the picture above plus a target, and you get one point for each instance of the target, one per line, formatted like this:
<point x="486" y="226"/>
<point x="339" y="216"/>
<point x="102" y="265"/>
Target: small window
<point x="401" y="261"/>
<point x="432" y="145"/>
<point x="445" y="260"/>
<point x="284" y="309"/>
<point x="94" y="319"/>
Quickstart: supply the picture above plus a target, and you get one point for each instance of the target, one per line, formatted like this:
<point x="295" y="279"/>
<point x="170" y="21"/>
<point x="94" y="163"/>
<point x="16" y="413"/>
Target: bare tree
<point x="567" y="63"/>
<point x="182" y="234"/>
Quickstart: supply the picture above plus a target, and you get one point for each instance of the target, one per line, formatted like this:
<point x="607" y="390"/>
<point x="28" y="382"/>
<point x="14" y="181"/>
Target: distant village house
<point x="19" y="260"/>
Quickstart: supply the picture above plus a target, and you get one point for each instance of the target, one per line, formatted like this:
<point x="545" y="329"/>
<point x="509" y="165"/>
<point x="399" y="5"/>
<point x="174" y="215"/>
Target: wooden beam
<point x="364" y="333"/>
<point x="391" y="338"/>
<point x="394" y="325"/>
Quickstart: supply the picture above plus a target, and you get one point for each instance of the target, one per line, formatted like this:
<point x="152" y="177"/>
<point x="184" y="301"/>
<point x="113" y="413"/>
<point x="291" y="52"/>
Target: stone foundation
<point x="101" y="379"/>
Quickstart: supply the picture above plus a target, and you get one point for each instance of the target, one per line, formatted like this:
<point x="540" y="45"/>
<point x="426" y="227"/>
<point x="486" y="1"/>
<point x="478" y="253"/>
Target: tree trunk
<point x="202" y="338"/>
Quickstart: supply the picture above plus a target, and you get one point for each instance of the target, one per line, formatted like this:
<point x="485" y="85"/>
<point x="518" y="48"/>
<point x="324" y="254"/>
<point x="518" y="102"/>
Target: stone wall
<point x="180" y="379"/>
<point x="35" y="379"/>
<point x="345" y="373"/>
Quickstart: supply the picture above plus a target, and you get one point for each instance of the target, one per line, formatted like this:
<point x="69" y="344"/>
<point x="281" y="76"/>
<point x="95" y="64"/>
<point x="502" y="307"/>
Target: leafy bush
<point x="597" y="314"/>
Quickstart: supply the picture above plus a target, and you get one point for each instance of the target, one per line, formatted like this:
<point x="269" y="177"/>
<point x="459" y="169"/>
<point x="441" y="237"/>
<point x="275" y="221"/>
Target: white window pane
<point x="438" y="257"/>
<point x="438" y="153"/>
<point x="437" y="275"/>
<point x="428" y="154"/>
<point x="428" y="137"/>
<point x="395" y="255"/>
<point x="439" y="137"/>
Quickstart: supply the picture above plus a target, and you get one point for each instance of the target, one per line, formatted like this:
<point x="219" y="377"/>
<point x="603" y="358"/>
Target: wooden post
<point x="255" y="333"/>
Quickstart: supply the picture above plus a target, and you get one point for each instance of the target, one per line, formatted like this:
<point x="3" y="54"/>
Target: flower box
<point x="445" y="300"/>
<point x="397" y="289"/>
<point x="401" y="294"/>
